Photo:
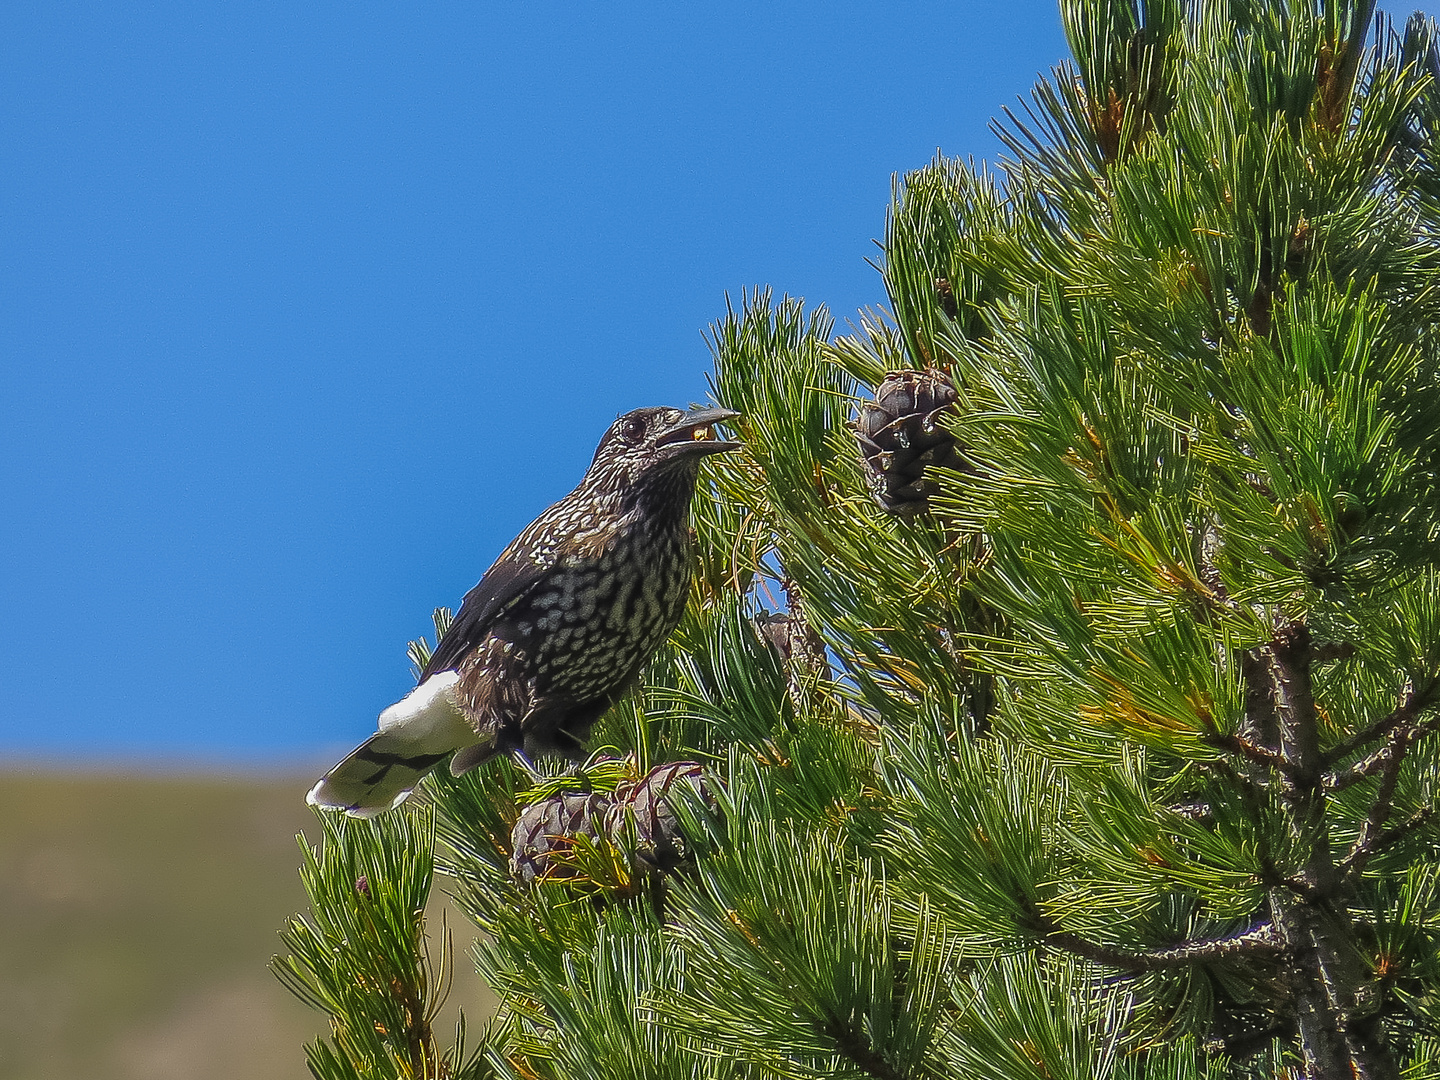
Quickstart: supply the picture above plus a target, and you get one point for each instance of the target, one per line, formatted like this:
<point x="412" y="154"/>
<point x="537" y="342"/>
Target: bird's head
<point x="657" y="447"/>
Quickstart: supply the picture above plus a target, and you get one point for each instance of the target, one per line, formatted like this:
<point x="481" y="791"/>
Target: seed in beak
<point x="702" y="434"/>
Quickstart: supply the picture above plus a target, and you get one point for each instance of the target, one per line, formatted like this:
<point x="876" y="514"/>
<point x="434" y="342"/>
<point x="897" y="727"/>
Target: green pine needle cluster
<point x="1122" y="758"/>
<point x="362" y="956"/>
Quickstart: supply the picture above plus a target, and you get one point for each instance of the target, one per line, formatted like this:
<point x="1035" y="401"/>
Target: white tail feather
<point x="416" y="734"/>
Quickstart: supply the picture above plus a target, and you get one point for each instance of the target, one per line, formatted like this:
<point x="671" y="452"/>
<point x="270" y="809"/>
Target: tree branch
<point x="1377" y="763"/>
<point x="1258" y="940"/>
<point x="1355" y="860"/>
<point x="1332" y="650"/>
<point x="1379" y="813"/>
<point x="1259" y="755"/>
<point x="1326" y="977"/>
<point x="855" y="1046"/>
<point x="1260" y="726"/>
<point x="1299" y="884"/>
<point x="1210" y="546"/>
<point x="1250" y="1043"/>
<point x="1411" y="706"/>
<point x="1288" y="660"/>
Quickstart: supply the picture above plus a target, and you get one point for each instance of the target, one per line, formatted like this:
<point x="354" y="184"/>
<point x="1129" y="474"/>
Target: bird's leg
<point x="580" y="776"/>
<point x="528" y="767"/>
<point x="577" y="773"/>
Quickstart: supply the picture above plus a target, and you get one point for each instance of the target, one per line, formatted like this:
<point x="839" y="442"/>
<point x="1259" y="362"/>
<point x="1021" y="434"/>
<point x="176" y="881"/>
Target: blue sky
<point x="305" y="309"/>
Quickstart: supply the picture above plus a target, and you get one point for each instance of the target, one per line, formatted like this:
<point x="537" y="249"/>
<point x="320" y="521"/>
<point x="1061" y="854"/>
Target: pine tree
<point x="1060" y="695"/>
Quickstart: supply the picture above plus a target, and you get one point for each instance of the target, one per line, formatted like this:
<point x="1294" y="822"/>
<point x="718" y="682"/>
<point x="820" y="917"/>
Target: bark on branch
<point x="1259" y="940"/>
<point x="1354" y="862"/>
<point x="1413" y="703"/>
<point x="1382" y="759"/>
<point x="1253" y="752"/>
<point x="1339" y="1037"/>
<point x="853" y="1043"/>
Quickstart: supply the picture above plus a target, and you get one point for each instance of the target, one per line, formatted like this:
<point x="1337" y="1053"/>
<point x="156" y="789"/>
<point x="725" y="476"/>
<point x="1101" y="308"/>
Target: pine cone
<point x="900" y="434"/>
<point x="549" y="827"/>
<point x="659" y="844"/>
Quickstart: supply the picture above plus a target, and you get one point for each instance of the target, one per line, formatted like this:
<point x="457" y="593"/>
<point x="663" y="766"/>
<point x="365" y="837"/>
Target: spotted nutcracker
<point x="558" y="628"/>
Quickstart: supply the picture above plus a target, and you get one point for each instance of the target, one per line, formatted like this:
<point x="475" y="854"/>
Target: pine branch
<point x="1323" y="984"/>
<point x="1259" y="940"/>
<point x="851" y="1042"/>
<point x="1338" y="1036"/>
<point x="1260" y="726"/>
<point x="361" y="955"/>
<point x="1258" y="755"/>
<point x="1209" y="548"/>
<point x="1373" y="837"/>
<point x="1385" y="762"/>
<point x="1328" y="651"/>
<point x="1288" y="661"/>
<point x="1240" y="1047"/>
<point x="1299" y="884"/>
<point x="1378" y="763"/>
<point x="1380" y="808"/>
<point x="1354" y="862"/>
<point x="1413" y="704"/>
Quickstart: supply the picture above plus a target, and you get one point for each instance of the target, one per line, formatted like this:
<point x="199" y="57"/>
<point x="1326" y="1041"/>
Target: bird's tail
<point x="416" y="734"/>
<point x="378" y="775"/>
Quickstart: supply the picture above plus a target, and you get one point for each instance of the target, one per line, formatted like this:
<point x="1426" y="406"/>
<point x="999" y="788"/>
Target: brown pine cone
<point x="550" y="827"/>
<point x="900" y="434"/>
<point x="659" y="843"/>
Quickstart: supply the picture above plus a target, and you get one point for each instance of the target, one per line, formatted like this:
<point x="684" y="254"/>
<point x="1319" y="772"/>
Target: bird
<point x="558" y="628"/>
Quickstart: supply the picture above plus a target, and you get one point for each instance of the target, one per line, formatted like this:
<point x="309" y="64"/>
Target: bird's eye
<point x="633" y="429"/>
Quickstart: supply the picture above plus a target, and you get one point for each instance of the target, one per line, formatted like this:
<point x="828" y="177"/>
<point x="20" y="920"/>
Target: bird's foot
<point x="528" y="767"/>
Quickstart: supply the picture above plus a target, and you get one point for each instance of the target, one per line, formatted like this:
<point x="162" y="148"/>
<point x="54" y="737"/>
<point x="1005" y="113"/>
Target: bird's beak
<point x="694" y="433"/>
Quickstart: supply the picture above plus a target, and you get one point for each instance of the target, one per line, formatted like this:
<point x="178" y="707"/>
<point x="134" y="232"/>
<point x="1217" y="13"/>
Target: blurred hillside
<point x="137" y="915"/>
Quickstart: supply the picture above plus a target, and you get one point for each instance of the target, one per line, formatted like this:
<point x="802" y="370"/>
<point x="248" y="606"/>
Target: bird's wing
<point x="512" y="578"/>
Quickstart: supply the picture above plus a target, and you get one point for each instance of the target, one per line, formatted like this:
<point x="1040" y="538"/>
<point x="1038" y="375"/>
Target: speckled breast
<point x="599" y="617"/>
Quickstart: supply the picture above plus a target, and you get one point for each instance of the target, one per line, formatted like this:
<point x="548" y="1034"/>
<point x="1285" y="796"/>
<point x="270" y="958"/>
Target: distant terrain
<point x="137" y="916"/>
